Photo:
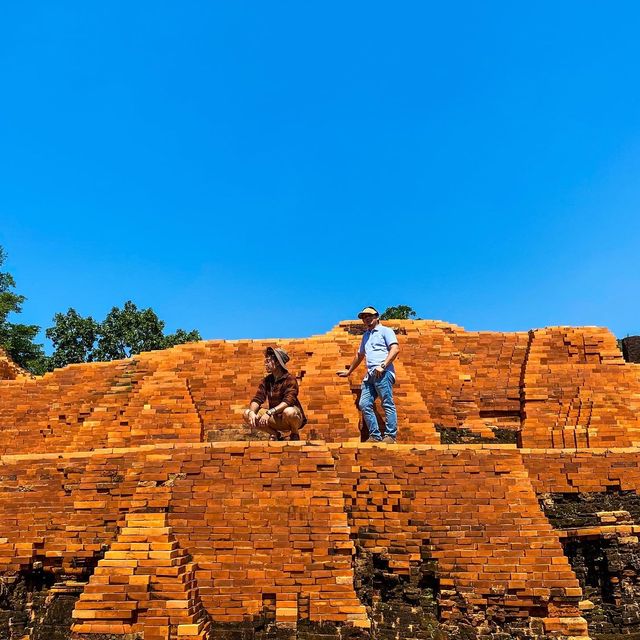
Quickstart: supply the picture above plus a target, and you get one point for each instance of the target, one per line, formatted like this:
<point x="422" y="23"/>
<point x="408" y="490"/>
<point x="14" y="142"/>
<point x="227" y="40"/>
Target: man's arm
<point x="256" y="402"/>
<point x="253" y="410"/>
<point x="394" y="350"/>
<point x="279" y="408"/>
<point x="290" y="395"/>
<point x="289" y="399"/>
<point x="358" y="358"/>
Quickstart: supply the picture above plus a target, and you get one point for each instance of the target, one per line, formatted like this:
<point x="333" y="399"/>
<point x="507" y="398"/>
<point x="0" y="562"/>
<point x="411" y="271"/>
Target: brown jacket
<point x="276" y="391"/>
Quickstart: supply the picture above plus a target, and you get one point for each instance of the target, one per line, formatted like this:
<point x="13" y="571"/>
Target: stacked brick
<point x="267" y="528"/>
<point x="186" y="535"/>
<point x="144" y="584"/>
<point x="61" y="509"/>
<point x="163" y="409"/>
<point x="65" y="410"/>
<point x="218" y="509"/>
<point x="492" y="364"/>
<point x="577" y="391"/>
<point x="328" y="401"/>
<point x="9" y="370"/>
<point x="234" y="369"/>
<point x="222" y="377"/>
<point x="248" y="529"/>
<point x="568" y="387"/>
<point x="462" y="379"/>
<point x="424" y="348"/>
<point x="584" y="471"/>
<point x="472" y="510"/>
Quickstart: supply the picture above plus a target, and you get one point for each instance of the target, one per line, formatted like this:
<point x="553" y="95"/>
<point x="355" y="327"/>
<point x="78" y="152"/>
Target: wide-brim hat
<point x="368" y="310"/>
<point x="279" y="354"/>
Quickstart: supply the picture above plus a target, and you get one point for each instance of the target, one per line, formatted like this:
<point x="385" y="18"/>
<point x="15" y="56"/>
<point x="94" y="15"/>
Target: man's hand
<point x="378" y="372"/>
<point x="343" y="374"/>
<point x="264" y="419"/>
<point x="252" y="419"/>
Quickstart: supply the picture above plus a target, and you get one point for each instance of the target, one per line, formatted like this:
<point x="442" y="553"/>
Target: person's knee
<point x="386" y="393"/>
<point x="365" y="402"/>
<point x="292" y="417"/>
<point x="386" y="400"/>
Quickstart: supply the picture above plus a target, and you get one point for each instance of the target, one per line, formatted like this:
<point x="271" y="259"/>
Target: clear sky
<point x="266" y="169"/>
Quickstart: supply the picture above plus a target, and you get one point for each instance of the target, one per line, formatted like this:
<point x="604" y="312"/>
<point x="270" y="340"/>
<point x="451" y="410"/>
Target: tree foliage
<point x="17" y="339"/>
<point x="122" y="334"/>
<point x="401" y="312"/>
<point x="181" y="337"/>
<point x="73" y="338"/>
<point x="127" y="331"/>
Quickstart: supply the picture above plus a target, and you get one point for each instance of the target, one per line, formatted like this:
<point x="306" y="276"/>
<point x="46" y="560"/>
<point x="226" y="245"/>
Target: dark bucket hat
<point x="279" y="354"/>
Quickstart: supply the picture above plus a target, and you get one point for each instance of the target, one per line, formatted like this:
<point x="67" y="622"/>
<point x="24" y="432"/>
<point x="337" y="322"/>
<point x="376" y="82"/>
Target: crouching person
<point x="280" y="390"/>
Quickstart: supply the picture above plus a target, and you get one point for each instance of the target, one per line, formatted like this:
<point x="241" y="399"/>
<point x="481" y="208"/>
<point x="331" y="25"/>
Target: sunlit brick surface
<point x="558" y="387"/>
<point x="107" y="471"/>
<point x="8" y="369"/>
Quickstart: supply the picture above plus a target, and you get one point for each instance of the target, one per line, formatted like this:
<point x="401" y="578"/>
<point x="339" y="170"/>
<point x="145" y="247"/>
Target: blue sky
<point x="258" y="169"/>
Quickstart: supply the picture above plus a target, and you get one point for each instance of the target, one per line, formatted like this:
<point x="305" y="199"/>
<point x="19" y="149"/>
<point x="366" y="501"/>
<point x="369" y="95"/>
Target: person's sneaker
<point x="389" y="440"/>
<point x="294" y="436"/>
<point x="372" y="439"/>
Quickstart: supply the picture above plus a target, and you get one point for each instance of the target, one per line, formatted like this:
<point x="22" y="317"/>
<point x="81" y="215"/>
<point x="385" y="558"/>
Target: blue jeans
<point x="369" y="391"/>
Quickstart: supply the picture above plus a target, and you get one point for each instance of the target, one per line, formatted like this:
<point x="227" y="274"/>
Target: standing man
<point x="379" y="346"/>
<point x="280" y="389"/>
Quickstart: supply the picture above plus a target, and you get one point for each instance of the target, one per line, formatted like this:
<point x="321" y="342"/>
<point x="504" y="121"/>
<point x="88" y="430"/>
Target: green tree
<point x="18" y="339"/>
<point x="180" y="337"/>
<point x="127" y="331"/>
<point x="123" y="333"/>
<point x="401" y="312"/>
<point x="73" y="338"/>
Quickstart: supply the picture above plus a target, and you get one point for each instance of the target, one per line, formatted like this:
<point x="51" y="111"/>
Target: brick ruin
<point x="8" y="369"/>
<point x="134" y="505"/>
<point x="631" y="348"/>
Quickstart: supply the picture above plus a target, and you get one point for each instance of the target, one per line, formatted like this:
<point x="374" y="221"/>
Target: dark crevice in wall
<point x="631" y="349"/>
<point x="460" y="435"/>
<point x="33" y="603"/>
<point x="606" y="560"/>
<point x="401" y="607"/>
<point x="571" y="510"/>
<point x="609" y="572"/>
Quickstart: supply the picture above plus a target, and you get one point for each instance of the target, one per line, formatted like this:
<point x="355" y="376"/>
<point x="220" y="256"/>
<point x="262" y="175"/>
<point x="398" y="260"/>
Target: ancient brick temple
<point x="134" y="505"/>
